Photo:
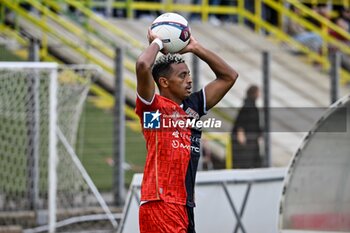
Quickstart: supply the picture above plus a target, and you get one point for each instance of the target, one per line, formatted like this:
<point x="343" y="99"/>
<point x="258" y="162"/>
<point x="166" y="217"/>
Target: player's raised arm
<point x="225" y="74"/>
<point x="145" y="83"/>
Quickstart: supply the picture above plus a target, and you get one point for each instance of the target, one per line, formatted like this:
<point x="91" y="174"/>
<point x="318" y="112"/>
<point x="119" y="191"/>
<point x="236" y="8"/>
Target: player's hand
<point x="190" y="47"/>
<point x="151" y="36"/>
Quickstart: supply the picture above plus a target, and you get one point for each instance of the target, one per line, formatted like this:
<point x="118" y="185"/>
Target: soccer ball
<point x="173" y="30"/>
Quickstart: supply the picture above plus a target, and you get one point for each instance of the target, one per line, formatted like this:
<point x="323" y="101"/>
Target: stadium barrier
<point x="227" y="201"/>
<point x="87" y="8"/>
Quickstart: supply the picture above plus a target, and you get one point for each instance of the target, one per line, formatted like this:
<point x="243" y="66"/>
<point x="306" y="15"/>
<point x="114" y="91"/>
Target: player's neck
<point x="171" y="97"/>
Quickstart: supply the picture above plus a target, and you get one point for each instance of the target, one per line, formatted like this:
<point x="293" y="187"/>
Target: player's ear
<point x="163" y="82"/>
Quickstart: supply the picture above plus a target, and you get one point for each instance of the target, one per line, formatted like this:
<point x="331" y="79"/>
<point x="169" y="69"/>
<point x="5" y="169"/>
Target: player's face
<point x="180" y="81"/>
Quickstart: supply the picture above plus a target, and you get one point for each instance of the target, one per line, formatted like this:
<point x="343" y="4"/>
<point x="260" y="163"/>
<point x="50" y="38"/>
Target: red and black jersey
<point x="173" y="147"/>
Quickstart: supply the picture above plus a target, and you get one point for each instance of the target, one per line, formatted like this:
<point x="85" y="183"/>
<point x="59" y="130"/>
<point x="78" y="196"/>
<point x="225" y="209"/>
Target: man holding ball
<point x="167" y="190"/>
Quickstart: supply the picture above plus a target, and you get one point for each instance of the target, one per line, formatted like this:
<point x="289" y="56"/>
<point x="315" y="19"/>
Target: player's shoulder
<point x="157" y="101"/>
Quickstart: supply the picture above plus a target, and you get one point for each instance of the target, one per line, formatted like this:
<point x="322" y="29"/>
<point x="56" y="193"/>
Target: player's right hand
<point x="151" y="36"/>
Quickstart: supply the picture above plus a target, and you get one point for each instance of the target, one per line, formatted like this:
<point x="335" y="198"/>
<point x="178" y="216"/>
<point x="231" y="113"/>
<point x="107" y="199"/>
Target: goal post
<point x="33" y="91"/>
<point x="52" y="150"/>
<point x="42" y="182"/>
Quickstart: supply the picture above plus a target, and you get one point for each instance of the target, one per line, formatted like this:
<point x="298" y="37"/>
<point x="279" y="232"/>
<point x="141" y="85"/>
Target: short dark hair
<point x="162" y="66"/>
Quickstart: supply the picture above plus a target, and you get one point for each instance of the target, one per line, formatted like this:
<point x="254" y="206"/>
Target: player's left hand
<point x="190" y="47"/>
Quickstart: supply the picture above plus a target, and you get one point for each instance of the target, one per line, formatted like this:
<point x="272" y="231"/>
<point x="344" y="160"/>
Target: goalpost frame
<point x="52" y="162"/>
<point x="52" y="151"/>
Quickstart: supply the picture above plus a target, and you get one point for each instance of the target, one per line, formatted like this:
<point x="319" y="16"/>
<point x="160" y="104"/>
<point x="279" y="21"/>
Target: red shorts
<point x="162" y="217"/>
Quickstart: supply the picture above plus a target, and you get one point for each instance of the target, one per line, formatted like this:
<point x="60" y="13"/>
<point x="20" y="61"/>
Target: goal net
<point x="43" y="185"/>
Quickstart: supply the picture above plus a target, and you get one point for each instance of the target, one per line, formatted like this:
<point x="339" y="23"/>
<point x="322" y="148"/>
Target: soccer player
<point x="167" y="190"/>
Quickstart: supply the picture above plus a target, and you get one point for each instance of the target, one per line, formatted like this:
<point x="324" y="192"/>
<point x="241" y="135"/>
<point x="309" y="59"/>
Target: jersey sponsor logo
<point x="177" y="134"/>
<point x="151" y="120"/>
<point x="176" y="144"/>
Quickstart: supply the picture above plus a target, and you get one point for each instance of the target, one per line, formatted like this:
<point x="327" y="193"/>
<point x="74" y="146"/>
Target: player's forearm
<point x="221" y="69"/>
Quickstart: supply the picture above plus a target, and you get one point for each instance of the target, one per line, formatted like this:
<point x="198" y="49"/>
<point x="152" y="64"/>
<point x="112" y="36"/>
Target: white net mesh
<point x="24" y="151"/>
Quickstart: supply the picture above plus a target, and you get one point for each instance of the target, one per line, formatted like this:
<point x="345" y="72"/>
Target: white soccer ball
<point x="173" y="30"/>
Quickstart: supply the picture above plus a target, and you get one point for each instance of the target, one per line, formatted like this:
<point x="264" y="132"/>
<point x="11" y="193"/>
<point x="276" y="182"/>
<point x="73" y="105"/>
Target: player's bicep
<point x="215" y="91"/>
